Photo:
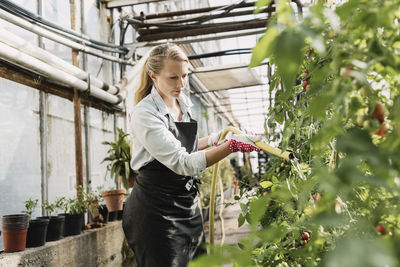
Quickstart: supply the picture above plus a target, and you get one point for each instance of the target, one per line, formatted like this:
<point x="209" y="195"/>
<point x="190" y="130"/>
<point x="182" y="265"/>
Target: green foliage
<point x="119" y="156"/>
<point x="332" y="67"/>
<point x="30" y="206"/>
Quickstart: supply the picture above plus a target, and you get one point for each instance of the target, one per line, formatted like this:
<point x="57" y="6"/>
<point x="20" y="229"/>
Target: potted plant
<point x="14" y="231"/>
<point x="56" y="223"/>
<point x="119" y="156"/>
<point x="76" y="207"/>
<point x="37" y="229"/>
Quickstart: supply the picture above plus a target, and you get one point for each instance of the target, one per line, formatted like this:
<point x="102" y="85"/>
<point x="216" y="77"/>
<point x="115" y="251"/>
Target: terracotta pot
<point x="14" y="231"/>
<point x="114" y="199"/>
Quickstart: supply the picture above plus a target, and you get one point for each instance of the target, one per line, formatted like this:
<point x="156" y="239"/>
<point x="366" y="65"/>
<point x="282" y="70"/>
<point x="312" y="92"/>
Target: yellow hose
<point x="267" y="148"/>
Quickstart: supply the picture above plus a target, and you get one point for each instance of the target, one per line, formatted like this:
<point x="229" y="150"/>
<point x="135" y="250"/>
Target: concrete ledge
<point x="97" y="247"/>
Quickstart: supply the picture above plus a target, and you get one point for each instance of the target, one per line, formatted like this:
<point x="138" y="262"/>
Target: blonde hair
<point x="155" y="63"/>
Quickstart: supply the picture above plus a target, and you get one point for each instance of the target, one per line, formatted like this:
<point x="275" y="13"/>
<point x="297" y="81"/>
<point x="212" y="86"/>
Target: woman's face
<point x="172" y="79"/>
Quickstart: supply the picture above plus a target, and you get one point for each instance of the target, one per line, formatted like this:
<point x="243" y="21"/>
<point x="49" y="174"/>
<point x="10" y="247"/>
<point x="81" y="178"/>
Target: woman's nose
<point x="181" y="82"/>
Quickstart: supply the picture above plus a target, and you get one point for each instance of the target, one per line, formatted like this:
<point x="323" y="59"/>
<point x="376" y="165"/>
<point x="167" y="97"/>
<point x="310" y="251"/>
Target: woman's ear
<point x="152" y="75"/>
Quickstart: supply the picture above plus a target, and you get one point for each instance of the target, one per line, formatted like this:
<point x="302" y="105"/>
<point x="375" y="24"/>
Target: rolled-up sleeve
<point x="155" y="137"/>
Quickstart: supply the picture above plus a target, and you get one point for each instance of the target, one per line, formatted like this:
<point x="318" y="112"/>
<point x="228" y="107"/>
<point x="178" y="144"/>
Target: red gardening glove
<point x="244" y="143"/>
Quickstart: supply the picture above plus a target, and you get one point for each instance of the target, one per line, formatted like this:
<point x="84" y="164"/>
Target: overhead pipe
<point x="17" y="57"/>
<point x="12" y="7"/>
<point x="145" y="30"/>
<point x="41" y="54"/>
<point x="59" y="39"/>
<point x="262" y="23"/>
<point x="190" y="11"/>
<point x="210" y="17"/>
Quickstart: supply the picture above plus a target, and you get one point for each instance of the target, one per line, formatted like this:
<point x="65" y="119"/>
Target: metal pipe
<point x="233" y="27"/>
<point x="41" y="54"/>
<point x="216" y="16"/>
<point x="188" y="12"/>
<point x="15" y="56"/>
<point x="43" y="132"/>
<point x="196" y="40"/>
<point x="59" y="39"/>
<point x="231" y="88"/>
<point x="145" y="30"/>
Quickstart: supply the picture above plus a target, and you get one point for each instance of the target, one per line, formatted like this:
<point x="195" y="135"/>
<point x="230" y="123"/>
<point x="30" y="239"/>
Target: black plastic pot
<point x="37" y="232"/>
<point x="63" y="225"/>
<point x="104" y="212"/>
<point x="112" y="216"/>
<point x="120" y="212"/>
<point x="55" y="227"/>
<point x="73" y="224"/>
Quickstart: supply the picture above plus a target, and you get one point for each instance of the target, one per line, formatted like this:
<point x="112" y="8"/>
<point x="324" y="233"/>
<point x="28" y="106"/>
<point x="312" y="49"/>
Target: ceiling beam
<point x="121" y="3"/>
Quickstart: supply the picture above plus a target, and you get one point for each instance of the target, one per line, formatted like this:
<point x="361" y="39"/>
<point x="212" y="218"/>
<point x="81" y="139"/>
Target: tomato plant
<point x="344" y="128"/>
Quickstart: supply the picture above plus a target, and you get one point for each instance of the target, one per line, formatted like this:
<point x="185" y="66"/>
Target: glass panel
<point x="20" y="176"/>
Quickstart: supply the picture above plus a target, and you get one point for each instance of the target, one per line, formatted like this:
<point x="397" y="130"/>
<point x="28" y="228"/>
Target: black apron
<point x="161" y="219"/>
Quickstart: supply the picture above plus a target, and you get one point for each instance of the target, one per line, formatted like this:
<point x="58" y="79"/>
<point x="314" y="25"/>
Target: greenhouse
<point x="200" y="133"/>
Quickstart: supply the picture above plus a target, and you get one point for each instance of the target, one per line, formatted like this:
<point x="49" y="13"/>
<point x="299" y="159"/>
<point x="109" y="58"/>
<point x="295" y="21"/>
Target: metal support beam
<point x="190" y="11"/>
<point x="77" y="113"/>
<point x="193" y="32"/>
<point x="226" y="89"/>
<point x="196" y="40"/>
<point x="121" y="3"/>
<point x="43" y="130"/>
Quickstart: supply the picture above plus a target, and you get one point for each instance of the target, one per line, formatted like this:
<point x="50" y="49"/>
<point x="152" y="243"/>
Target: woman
<point x="162" y="220"/>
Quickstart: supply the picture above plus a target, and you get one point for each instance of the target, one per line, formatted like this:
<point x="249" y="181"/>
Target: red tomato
<point x="381" y="131"/>
<point x="381" y="229"/>
<point x="305" y="236"/>
<point x="317" y="197"/>
<point x="379" y="112"/>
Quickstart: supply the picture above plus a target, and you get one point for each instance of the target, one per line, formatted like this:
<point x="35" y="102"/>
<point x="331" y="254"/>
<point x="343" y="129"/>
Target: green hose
<point x="267" y="148"/>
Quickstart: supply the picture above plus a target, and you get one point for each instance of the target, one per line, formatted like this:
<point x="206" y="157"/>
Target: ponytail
<point x="145" y="85"/>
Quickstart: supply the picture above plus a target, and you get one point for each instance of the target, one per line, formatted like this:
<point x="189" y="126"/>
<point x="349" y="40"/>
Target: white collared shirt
<point x="153" y="140"/>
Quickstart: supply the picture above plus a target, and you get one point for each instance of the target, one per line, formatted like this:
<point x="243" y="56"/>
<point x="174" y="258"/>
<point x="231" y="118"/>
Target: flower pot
<point x="63" y="225"/>
<point x="114" y="199"/>
<point x="112" y="216"/>
<point x="120" y="212"/>
<point x="37" y="231"/>
<point x="104" y="212"/>
<point x="14" y="230"/>
<point x="73" y="224"/>
<point x="55" y="227"/>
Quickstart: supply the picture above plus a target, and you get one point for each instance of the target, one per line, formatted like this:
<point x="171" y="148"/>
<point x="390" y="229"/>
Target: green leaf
<point x="264" y="48"/>
<point x="257" y="209"/>
<point x="266" y="184"/>
<point x="260" y="4"/>
<point x="241" y="220"/>
<point x="289" y="54"/>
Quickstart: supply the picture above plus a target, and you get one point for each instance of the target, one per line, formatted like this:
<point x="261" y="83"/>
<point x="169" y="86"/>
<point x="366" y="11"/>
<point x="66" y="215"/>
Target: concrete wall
<point x="97" y="247"/>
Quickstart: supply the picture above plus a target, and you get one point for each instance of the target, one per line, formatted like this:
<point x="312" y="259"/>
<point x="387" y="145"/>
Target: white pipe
<point x="41" y="54"/>
<point x="11" y="54"/>
<point x="59" y="39"/>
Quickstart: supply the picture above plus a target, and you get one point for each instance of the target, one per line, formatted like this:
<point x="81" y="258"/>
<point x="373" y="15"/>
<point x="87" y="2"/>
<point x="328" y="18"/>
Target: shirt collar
<point x="184" y="102"/>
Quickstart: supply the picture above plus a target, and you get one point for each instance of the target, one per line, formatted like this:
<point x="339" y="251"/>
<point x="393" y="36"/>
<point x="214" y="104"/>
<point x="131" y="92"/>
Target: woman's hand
<point x="214" y="138"/>
<point x="244" y="142"/>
